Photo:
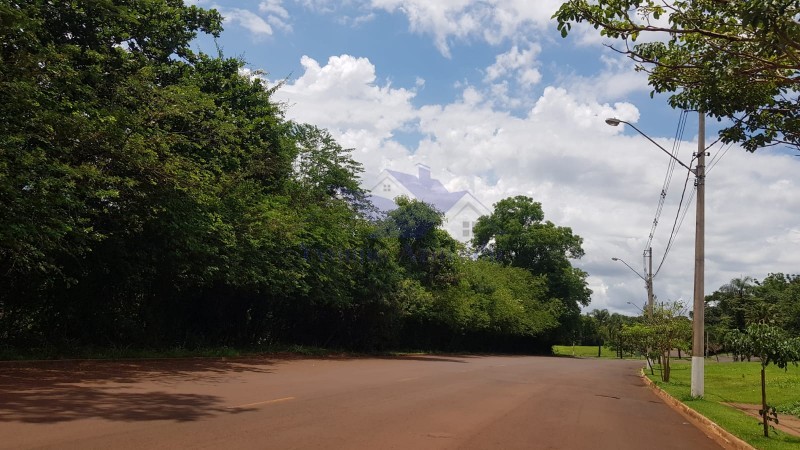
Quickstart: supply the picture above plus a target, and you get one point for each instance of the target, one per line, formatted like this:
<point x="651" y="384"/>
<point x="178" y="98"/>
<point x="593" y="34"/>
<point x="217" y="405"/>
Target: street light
<point x="648" y="280"/>
<point x="637" y="307"/>
<point x="698" y="317"/>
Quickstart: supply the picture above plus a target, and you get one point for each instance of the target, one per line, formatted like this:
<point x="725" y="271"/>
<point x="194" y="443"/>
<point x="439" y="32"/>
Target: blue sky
<point x="490" y="96"/>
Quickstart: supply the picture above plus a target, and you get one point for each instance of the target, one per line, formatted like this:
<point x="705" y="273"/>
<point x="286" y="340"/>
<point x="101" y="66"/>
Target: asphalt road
<point x="475" y="402"/>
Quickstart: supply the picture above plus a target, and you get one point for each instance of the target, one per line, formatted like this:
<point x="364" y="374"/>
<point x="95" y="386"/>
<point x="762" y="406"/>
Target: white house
<point x="461" y="209"/>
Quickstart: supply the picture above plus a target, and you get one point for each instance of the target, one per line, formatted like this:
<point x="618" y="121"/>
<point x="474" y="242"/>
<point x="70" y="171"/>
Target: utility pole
<point x="649" y="281"/>
<point x="698" y="312"/>
<point x="698" y="316"/>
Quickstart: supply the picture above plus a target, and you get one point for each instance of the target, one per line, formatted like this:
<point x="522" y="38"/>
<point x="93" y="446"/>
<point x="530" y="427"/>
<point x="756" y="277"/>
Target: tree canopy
<point x="732" y="59"/>
<point x="516" y="234"/>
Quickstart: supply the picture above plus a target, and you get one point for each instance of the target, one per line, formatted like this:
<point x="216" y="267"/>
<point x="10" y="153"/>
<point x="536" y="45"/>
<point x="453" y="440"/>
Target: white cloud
<point x="344" y="97"/>
<point x="322" y="6"/>
<point x="616" y="80"/>
<point x="490" y="20"/>
<point x="443" y="18"/>
<point x="275" y="8"/>
<point x="271" y="15"/>
<point x="246" y="19"/>
<point x="520" y="63"/>
<point x="358" y="20"/>
<point x="277" y="15"/>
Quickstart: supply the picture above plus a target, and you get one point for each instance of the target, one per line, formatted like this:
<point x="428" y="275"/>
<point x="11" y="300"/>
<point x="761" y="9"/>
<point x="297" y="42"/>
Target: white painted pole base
<point x="698" y="368"/>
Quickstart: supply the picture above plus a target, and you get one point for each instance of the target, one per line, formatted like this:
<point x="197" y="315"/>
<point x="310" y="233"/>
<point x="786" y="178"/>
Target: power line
<point x="678" y="221"/>
<point x="684" y="209"/>
<point x="676" y="143"/>
<point x="717" y="158"/>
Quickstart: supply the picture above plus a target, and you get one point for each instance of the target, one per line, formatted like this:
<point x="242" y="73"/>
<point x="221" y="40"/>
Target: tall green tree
<point x="735" y="60"/>
<point x="517" y="234"/>
<point x="781" y="293"/>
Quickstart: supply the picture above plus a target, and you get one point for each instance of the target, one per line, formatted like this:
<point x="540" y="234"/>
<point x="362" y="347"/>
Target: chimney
<point x="424" y="172"/>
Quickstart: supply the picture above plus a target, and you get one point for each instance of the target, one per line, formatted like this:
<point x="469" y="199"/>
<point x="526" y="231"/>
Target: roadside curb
<point x="714" y="431"/>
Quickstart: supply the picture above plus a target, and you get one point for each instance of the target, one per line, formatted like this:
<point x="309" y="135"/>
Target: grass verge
<point x="737" y="383"/>
<point x="583" y="351"/>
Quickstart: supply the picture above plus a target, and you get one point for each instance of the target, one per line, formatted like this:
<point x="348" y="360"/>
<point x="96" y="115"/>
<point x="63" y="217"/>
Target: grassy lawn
<point x="738" y="383"/>
<point x="583" y="351"/>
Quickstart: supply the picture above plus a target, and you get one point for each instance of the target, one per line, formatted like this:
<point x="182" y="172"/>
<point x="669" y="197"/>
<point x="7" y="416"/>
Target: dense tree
<point x="735" y="60"/>
<point x="732" y="303"/>
<point x="516" y="234"/>
<point x="426" y="251"/>
<point x="745" y="301"/>
<point x="781" y="295"/>
<point x="492" y="303"/>
<point x="81" y="80"/>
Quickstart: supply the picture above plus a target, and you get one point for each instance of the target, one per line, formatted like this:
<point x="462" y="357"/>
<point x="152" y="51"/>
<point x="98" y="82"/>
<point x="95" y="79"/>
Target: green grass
<point x="738" y="383"/>
<point x="583" y="351"/>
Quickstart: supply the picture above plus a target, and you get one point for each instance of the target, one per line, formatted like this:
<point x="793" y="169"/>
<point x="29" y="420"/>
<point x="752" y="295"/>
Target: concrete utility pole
<point x="698" y="312"/>
<point x="698" y="316"/>
<point x="650" y="298"/>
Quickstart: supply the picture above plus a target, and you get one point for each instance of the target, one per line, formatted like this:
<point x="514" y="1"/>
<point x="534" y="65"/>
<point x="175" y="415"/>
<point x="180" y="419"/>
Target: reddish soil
<point x="786" y="423"/>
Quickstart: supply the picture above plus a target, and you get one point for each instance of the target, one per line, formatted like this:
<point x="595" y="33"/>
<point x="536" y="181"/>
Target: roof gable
<point x="428" y="190"/>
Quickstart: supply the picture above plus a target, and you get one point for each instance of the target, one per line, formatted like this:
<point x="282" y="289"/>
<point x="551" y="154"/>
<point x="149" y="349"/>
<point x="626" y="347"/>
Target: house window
<point x="466" y="228"/>
<point x="387" y="187"/>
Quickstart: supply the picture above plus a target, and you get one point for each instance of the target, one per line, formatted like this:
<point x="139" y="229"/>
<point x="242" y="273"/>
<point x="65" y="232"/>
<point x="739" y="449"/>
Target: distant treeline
<point x="734" y="306"/>
<point x="153" y="196"/>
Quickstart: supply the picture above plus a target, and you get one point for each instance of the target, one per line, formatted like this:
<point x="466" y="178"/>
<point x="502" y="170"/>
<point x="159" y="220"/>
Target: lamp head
<point x="613" y="121"/>
<point x="615" y="259"/>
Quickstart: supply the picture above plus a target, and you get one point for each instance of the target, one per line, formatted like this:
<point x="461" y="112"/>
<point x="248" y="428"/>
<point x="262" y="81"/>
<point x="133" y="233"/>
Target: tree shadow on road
<point x="66" y="404"/>
<point x="454" y="358"/>
<point x="48" y="373"/>
<point x="59" y="391"/>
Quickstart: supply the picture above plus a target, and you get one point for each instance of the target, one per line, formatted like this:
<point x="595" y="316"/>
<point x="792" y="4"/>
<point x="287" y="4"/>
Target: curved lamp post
<point x="648" y="281"/>
<point x="698" y="315"/>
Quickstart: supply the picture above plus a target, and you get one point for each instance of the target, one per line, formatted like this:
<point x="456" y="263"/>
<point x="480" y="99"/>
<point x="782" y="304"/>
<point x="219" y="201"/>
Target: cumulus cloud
<point x="519" y="63"/>
<point x="246" y="19"/>
<point x="274" y="7"/>
<point x="457" y="20"/>
<point x="271" y="14"/>
<point x="616" y="80"/>
<point x="345" y="97"/>
<point x="343" y="94"/>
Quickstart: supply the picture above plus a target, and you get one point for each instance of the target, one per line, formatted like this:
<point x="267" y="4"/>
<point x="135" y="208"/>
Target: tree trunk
<point x="599" y="349"/>
<point x="764" y="402"/>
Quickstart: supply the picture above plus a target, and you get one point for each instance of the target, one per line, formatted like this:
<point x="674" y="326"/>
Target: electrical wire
<point x="678" y="220"/>
<point x="717" y="158"/>
<point x="683" y="209"/>
<point x="676" y="143"/>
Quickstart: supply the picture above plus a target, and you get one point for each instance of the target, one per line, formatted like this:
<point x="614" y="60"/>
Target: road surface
<point x="417" y="402"/>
